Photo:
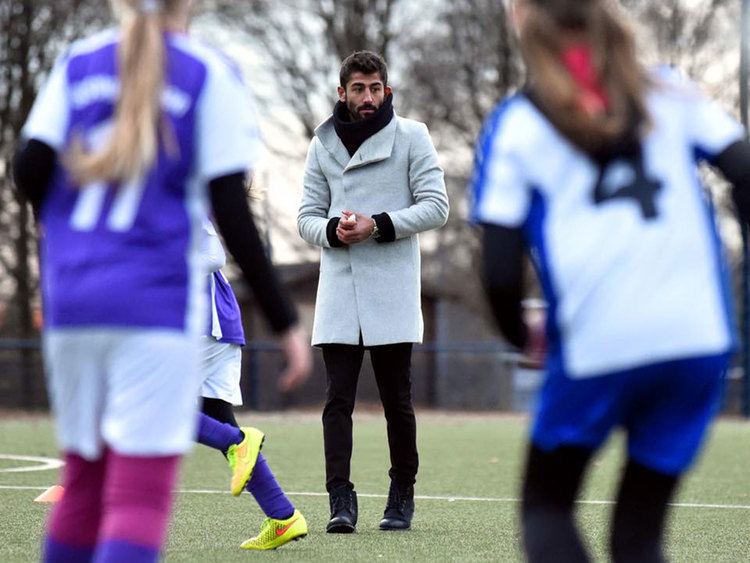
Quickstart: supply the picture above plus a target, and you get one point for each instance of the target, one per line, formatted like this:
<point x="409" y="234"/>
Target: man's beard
<point x="354" y="110"/>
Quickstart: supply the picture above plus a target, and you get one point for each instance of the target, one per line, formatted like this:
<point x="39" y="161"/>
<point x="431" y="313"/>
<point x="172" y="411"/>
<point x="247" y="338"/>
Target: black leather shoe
<point x="400" y="508"/>
<point x="343" y="511"/>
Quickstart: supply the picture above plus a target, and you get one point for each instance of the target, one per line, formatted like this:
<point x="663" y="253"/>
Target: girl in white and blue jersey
<point x="592" y="170"/>
<point x="128" y="133"/>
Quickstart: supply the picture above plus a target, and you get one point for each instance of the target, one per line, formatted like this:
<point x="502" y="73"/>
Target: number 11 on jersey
<point x="90" y="203"/>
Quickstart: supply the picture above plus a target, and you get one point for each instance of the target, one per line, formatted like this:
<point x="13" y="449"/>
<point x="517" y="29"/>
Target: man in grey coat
<point x="372" y="183"/>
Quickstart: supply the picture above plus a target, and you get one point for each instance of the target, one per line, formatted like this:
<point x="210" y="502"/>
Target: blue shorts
<point x="664" y="408"/>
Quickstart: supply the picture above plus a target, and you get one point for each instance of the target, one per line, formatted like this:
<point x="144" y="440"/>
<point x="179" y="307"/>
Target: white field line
<point x="45" y="463"/>
<point x="417" y="497"/>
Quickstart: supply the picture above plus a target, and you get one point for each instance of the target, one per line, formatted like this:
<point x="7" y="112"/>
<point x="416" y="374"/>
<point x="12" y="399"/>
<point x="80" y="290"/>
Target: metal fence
<point x="479" y="376"/>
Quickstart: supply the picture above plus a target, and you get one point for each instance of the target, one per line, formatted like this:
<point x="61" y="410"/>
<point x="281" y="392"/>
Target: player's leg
<point x="138" y="501"/>
<point x="343" y="363"/>
<point x="73" y="361"/>
<point x="392" y="366"/>
<point x="220" y="371"/>
<point x="216" y="434"/>
<point x="73" y="525"/>
<point x="283" y="522"/>
<point x="148" y="422"/>
<point x="550" y="487"/>
<point x="218" y="428"/>
<point x="640" y="514"/>
<point x="241" y="446"/>
<point x="574" y="417"/>
<point x="219" y="409"/>
<point x="669" y="410"/>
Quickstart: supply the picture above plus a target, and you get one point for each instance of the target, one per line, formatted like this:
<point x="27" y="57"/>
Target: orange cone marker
<point x="52" y="495"/>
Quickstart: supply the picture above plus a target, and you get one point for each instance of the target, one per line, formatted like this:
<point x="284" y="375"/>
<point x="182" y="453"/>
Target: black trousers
<point x="392" y="366"/>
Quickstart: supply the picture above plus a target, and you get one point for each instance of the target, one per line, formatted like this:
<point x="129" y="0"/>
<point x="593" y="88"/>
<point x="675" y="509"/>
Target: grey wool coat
<point x="372" y="287"/>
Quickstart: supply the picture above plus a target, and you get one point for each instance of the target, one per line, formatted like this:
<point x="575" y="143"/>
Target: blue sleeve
<point x="499" y="189"/>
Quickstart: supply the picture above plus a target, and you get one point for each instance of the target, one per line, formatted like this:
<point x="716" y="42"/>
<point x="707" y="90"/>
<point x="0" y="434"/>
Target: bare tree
<point x="32" y="33"/>
<point x="452" y="71"/>
<point x="461" y="67"/>
<point x="300" y="45"/>
<point x="458" y="70"/>
<point x="693" y="36"/>
<point x="701" y="39"/>
<point x="467" y="62"/>
<point x="304" y="41"/>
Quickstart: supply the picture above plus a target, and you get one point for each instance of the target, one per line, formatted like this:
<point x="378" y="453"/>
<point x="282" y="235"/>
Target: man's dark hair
<point x="365" y="62"/>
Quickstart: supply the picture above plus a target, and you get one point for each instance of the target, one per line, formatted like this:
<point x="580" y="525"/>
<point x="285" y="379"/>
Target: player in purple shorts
<point x="220" y="391"/>
<point x="136" y="131"/>
<point x="592" y="170"/>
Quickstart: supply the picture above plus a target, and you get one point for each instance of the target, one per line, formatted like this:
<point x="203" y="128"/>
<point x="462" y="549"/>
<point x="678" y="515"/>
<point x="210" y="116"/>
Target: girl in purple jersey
<point x="131" y="127"/>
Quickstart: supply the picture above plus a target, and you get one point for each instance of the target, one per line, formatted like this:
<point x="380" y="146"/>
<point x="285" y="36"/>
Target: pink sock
<point x="138" y="499"/>
<point x="75" y="520"/>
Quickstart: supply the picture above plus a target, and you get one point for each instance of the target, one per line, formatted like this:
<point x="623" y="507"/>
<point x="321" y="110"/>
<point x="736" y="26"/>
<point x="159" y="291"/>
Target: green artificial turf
<point x="470" y="462"/>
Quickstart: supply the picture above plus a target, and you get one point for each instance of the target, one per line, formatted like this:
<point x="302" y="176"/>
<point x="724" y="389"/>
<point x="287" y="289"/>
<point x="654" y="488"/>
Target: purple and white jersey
<point x="130" y="255"/>
<point x="225" y="324"/>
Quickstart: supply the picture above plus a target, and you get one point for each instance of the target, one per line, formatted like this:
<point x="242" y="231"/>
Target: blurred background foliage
<point x="450" y="63"/>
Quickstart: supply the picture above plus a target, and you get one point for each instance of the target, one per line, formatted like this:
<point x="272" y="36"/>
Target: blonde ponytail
<point x="134" y="141"/>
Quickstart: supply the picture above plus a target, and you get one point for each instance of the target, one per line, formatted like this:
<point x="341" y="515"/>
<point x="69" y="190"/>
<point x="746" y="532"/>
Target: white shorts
<point x="221" y="365"/>
<point x="132" y="390"/>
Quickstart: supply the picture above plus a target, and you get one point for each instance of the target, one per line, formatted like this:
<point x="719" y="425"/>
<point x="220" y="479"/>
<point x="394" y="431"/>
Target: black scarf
<point x="353" y="133"/>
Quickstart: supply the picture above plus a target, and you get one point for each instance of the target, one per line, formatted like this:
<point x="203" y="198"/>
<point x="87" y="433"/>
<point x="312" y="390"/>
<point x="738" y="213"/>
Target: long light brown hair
<point x="546" y="28"/>
<point x="134" y="141"/>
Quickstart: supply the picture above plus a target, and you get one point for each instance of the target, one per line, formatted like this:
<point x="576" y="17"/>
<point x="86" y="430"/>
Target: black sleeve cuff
<point x="734" y="163"/>
<point x="386" y="230"/>
<point x="33" y="167"/>
<point x="333" y="240"/>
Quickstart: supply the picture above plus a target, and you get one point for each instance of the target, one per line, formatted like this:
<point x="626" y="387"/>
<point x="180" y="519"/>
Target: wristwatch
<point x="375" y="233"/>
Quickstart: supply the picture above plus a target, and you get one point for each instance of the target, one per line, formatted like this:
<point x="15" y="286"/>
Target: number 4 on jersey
<point x="626" y="178"/>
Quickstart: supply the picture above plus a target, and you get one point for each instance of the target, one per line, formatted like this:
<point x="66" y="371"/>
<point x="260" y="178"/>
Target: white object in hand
<point x="351" y="219"/>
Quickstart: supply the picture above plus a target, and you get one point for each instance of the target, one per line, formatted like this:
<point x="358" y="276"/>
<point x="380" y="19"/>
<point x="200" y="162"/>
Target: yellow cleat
<point x="275" y="533"/>
<point x="242" y="458"/>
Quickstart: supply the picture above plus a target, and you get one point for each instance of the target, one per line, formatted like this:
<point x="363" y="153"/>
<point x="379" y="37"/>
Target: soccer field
<point x="466" y="495"/>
